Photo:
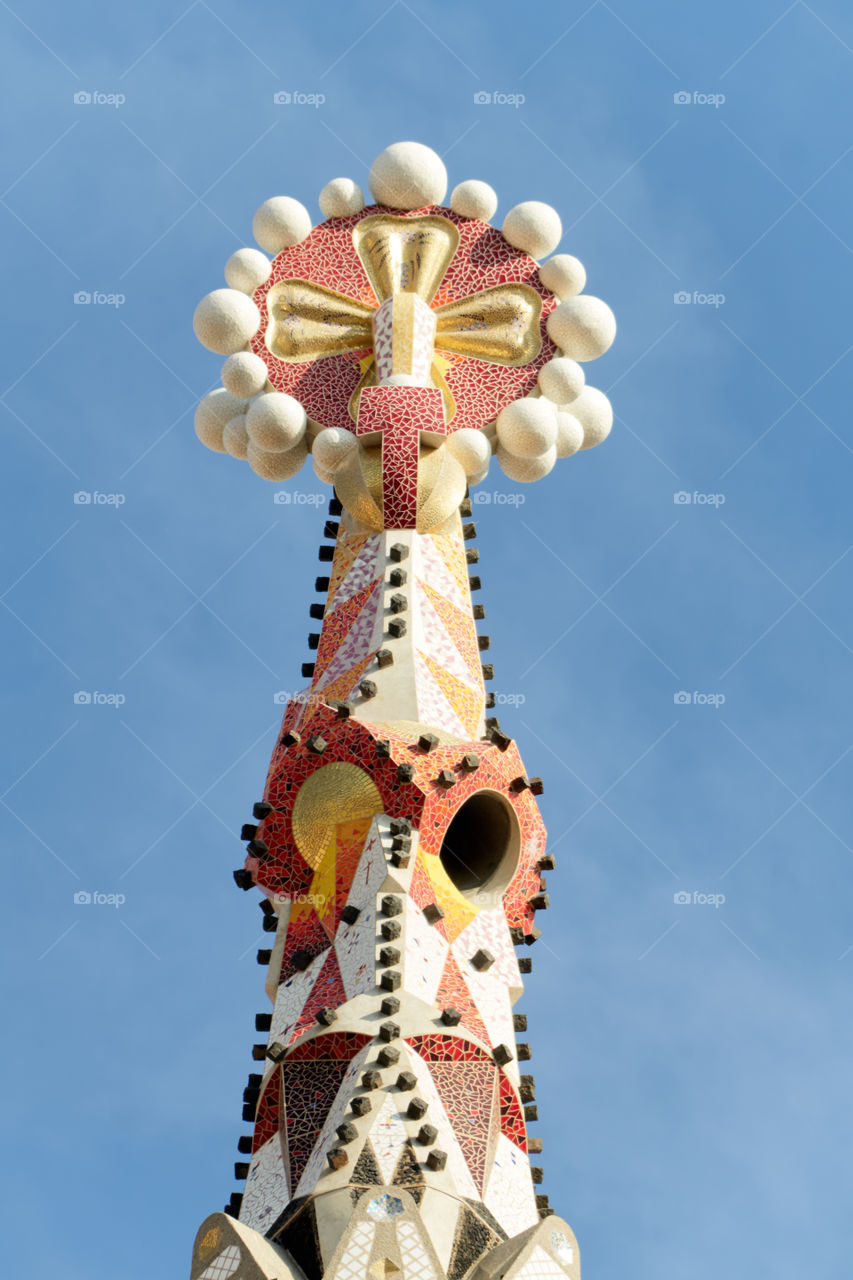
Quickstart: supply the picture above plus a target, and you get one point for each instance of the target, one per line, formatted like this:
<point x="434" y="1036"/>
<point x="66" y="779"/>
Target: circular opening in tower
<point x="481" y="847"/>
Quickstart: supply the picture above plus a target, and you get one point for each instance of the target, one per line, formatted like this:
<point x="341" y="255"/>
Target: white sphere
<point x="276" y="466"/>
<point x="340" y="198"/>
<point x="225" y="320"/>
<point x="583" y="327"/>
<point x="244" y="374"/>
<point x="280" y="223"/>
<point x="470" y="448"/>
<point x="247" y="270"/>
<point x="563" y="275"/>
<point x="527" y="428"/>
<point x="480" y="476"/>
<point x="570" y="435"/>
<point x="595" y="414"/>
<point x="331" y="446"/>
<point x="473" y="199"/>
<point x="533" y="227"/>
<point x="561" y="379"/>
<point x="213" y="414"/>
<point x="276" y="422"/>
<point x="525" y="470"/>
<point x="321" y="473"/>
<point x="235" y="437"/>
<point x="408" y="175"/>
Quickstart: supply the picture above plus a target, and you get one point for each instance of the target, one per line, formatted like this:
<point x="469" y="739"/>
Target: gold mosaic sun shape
<point x="309" y="322"/>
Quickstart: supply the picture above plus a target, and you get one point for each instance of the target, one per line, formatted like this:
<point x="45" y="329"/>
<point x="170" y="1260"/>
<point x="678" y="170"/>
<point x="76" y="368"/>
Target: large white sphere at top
<point x="595" y="414"/>
<point x="470" y="448"/>
<point x="473" y="199"/>
<point x="525" y="470"/>
<point x="275" y="422"/>
<point x="280" y="223"/>
<point x="225" y="320"/>
<point x="527" y="428"/>
<point x="569" y="435"/>
<point x="277" y="466"/>
<point x="561" y="379"/>
<point x="235" y="437"/>
<point x="244" y="374"/>
<point x="213" y="414"/>
<point x="408" y="175"/>
<point x="341" y="198"/>
<point x="247" y="269"/>
<point x="563" y="274"/>
<point x="583" y="327"/>
<point x="331" y="446"/>
<point x="533" y="227"/>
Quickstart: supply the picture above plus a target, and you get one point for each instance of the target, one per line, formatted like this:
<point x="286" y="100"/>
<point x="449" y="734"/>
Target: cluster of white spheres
<point x="249" y="420"/>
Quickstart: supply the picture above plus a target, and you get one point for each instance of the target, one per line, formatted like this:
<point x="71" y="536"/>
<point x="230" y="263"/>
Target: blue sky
<point x="692" y="1059"/>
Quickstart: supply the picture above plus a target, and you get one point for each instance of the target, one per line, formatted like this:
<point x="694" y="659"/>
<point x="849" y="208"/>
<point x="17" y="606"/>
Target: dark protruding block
<point x="326" y="554"/>
<point x="350" y="914"/>
<point x="291" y="738"/>
<point x="469" y="531"/>
<point x="258" y="848"/>
<point x="259" y="1052"/>
<point x="519" y="1022"/>
<point x="398" y="602"/>
<point x="330" y="529"/>
<point x="482" y="959"/>
<point x="533" y="935"/>
<point x="397" y="627"/>
<point x="302" y="959"/>
<point x="546" y="862"/>
<point x="390" y="1005"/>
<point x="389" y="1031"/>
<point x="371" y="1080"/>
<point x="540" y="902"/>
<point x="342" y="710"/>
<point x="241" y="1170"/>
<point x="525" y="964"/>
<point x="391" y="905"/>
<point x="388" y="1056"/>
<point x="470" y="762"/>
<point x="474" y="583"/>
<point x="521" y="783"/>
<point x="446" y="778"/>
<point x="234" y="1204"/>
<point x="270" y="923"/>
<point x="316" y="611"/>
<point x="451" y="1017"/>
<point x="261" y="809"/>
<point x="527" y="1089"/>
<point x="531" y="1112"/>
<point x="244" y="1145"/>
<point x="307" y="670"/>
<point x="502" y="1054"/>
<point x="335" y="507"/>
<point x="361" y="1105"/>
<point x="326" y="1016"/>
<point x="384" y="657"/>
<point x="534" y="1146"/>
<point x="398" y="551"/>
<point x="537" y="786"/>
<point x="267" y="907"/>
<point x="316" y="744"/>
<point x="465" y="507"/>
<point x="263" y="1021"/>
<point x="427" y="1135"/>
<point x="398" y="577"/>
<point x="347" y="1131"/>
<point x="337" y="1158"/>
<point x="433" y="913"/>
<point x="400" y="827"/>
<point x="472" y="554"/>
<point x="276" y="1052"/>
<point x="491" y="699"/>
<point x="405" y="772"/>
<point x="516" y="934"/>
<point x="321" y="585"/>
<point x="406" y="1081"/>
<point x="313" y="640"/>
<point x="416" y="1108"/>
<point x="542" y="1203"/>
<point x="251" y="1094"/>
<point x="390" y="980"/>
<point x="390" y="929"/>
<point x="264" y="956"/>
<point x="248" y="1113"/>
<point x="488" y="671"/>
<point x="479" y="611"/>
<point x="436" y="1160"/>
<point x="248" y="831"/>
<point x="483" y="642"/>
<point x="501" y="740"/>
<point x="367" y="688"/>
<point x="428" y="742"/>
<point x="383" y="748"/>
<point x="243" y="878"/>
<point x="389" y="956"/>
<point x="523" y="1053"/>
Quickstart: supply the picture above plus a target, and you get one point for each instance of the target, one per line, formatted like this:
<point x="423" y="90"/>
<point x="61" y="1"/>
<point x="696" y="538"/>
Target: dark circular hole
<point x="481" y="844"/>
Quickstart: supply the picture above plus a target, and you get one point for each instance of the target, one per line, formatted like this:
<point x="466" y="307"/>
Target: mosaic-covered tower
<point x="398" y="846"/>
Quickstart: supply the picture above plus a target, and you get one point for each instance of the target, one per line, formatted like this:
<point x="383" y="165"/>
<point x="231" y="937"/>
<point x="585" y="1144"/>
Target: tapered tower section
<point x="398" y="845"/>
